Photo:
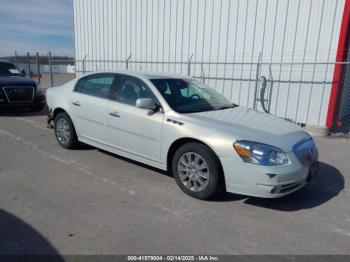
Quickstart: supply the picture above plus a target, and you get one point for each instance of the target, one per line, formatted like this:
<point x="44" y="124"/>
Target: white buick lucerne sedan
<point x="181" y="125"/>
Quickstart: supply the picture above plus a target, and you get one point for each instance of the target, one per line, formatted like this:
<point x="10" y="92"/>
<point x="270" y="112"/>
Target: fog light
<point x="275" y="189"/>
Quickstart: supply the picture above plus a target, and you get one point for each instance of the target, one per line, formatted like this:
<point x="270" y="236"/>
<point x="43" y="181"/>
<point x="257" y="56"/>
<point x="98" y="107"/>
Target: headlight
<point x="260" y="154"/>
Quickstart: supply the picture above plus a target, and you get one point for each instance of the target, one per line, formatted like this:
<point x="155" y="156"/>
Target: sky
<point x="36" y="26"/>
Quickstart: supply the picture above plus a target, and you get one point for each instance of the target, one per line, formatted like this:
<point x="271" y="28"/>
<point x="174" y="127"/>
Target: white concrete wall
<point x="238" y="31"/>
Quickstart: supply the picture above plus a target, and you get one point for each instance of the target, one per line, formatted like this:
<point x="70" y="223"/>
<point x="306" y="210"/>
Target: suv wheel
<point x="197" y="171"/>
<point x="65" y="132"/>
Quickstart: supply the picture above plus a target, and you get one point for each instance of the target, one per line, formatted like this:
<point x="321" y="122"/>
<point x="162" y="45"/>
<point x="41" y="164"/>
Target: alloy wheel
<point x="63" y="131"/>
<point x="193" y="171"/>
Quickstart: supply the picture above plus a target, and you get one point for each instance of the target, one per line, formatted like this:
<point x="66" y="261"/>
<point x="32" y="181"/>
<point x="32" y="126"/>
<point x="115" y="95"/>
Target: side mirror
<point x="146" y="103"/>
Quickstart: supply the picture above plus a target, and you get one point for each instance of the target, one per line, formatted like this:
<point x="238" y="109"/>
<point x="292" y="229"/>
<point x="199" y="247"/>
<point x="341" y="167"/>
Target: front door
<point x="131" y="129"/>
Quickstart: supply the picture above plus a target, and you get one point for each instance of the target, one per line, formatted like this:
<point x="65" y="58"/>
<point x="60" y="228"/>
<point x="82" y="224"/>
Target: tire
<point x="65" y="131"/>
<point x="38" y="107"/>
<point x="194" y="179"/>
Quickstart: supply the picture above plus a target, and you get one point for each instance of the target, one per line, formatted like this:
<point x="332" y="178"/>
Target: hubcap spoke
<point x="204" y="175"/>
<point x="189" y="158"/>
<point x="195" y="186"/>
<point x="200" y="181"/>
<point x="183" y="176"/>
<point x="188" y="184"/>
<point x="196" y="159"/>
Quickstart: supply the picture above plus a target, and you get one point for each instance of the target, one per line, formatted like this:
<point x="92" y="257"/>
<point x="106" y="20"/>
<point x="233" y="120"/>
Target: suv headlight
<point x="260" y="154"/>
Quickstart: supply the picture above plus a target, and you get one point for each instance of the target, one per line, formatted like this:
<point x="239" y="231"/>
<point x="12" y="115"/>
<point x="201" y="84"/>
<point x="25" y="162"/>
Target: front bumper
<point x="38" y="100"/>
<point x="267" y="181"/>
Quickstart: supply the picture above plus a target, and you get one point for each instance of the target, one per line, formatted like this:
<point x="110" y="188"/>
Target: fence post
<point x="127" y="62"/>
<point x="189" y="66"/>
<point x="84" y="64"/>
<point x="37" y="66"/>
<point x="202" y="73"/>
<point x="28" y="64"/>
<point x="257" y="81"/>
<point x="16" y="58"/>
<point x="50" y="68"/>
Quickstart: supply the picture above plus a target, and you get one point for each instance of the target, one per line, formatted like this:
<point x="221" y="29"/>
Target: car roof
<point x="5" y="62"/>
<point x="147" y="75"/>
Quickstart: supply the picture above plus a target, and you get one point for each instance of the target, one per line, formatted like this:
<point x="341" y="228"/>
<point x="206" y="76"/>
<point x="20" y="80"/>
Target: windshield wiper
<point x="226" y="107"/>
<point x="197" y="110"/>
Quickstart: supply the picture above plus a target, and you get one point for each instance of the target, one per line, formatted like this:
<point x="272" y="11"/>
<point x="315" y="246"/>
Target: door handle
<point x="115" y="114"/>
<point x="76" y="103"/>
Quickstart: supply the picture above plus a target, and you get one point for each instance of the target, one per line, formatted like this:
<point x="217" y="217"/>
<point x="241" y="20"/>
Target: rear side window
<point x="95" y="85"/>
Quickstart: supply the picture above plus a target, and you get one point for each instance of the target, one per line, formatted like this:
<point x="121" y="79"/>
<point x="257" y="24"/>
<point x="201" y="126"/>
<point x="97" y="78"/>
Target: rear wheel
<point x="65" y="132"/>
<point x="197" y="170"/>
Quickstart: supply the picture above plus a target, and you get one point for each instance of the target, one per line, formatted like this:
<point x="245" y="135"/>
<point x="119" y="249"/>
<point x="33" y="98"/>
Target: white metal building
<point x="229" y="43"/>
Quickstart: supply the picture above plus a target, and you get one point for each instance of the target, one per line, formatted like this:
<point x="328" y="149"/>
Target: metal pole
<point x="127" y="62"/>
<point x="257" y="81"/>
<point x="84" y="64"/>
<point x="37" y="66"/>
<point x="50" y="67"/>
<point x="189" y="66"/>
<point x="202" y="73"/>
<point x="16" y="58"/>
<point x="28" y="63"/>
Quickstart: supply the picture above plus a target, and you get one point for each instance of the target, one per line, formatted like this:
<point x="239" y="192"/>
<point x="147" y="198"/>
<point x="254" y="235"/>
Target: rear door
<point x="131" y="129"/>
<point x="89" y="103"/>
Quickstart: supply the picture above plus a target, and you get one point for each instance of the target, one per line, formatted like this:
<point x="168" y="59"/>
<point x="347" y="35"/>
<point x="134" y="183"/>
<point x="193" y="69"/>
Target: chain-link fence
<point x="302" y="92"/>
<point x="312" y="93"/>
<point x="46" y="70"/>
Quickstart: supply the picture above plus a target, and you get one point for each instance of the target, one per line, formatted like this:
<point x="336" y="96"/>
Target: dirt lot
<point x="91" y="202"/>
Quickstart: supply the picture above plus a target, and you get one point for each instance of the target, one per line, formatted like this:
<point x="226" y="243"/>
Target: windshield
<point x="188" y="96"/>
<point x="7" y="69"/>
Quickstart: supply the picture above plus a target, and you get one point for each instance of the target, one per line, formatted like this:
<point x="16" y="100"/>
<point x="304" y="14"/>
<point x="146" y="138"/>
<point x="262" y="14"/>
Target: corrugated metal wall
<point x="225" y="31"/>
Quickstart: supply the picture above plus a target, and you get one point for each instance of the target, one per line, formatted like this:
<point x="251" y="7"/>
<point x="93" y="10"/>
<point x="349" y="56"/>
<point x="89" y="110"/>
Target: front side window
<point x="188" y="96"/>
<point x="130" y="89"/>
<point x="96" y="85"/>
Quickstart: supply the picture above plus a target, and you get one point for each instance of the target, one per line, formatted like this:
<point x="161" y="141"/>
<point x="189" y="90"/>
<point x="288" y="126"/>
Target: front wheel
<point x="197" y="170"/>
<point x="65" y="132"/>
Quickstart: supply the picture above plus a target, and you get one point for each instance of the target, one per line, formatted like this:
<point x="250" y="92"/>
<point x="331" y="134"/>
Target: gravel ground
<point x="87" y="201"/>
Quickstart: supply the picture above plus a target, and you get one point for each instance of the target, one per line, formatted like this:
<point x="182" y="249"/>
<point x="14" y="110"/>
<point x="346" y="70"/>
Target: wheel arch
<point x="184" y="140"/>
<point x="58" y="110"/>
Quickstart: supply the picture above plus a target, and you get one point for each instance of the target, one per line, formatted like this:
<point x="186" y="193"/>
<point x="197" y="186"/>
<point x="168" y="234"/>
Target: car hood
<point x="247" y="124"/>
<point x="16" y="80"/>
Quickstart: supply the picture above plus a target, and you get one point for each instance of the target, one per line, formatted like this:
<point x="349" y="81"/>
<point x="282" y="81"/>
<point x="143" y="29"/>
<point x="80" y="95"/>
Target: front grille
<point x="15" y="94"/>
<point x="306" y="151"/>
